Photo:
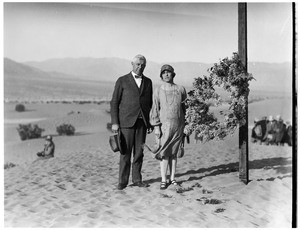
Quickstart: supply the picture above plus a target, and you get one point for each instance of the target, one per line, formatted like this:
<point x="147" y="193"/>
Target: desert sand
<point x="77" y="188"/>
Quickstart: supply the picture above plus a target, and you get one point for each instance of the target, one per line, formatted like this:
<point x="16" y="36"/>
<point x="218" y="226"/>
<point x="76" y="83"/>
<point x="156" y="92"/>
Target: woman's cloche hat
<point x="167" y="67"/>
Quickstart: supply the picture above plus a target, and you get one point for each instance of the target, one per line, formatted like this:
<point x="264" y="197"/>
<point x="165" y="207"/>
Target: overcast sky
<point x="163" y="32"/>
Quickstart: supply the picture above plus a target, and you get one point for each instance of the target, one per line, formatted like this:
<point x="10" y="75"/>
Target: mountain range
<point x="269" y="76"/>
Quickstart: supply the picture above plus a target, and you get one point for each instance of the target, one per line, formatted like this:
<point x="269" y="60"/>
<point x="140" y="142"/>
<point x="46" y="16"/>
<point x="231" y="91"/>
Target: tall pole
<point x="243" y="130"/>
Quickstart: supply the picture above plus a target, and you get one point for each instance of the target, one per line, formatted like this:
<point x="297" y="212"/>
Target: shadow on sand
<point x="76" y="134"/>
<point x="29" y="110"/>
<point x="280" y="164"/>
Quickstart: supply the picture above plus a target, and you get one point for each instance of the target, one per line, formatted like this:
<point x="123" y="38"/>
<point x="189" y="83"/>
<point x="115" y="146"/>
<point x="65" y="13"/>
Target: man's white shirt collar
<point x="134" y="74"/>
<point x="138" y="81"/>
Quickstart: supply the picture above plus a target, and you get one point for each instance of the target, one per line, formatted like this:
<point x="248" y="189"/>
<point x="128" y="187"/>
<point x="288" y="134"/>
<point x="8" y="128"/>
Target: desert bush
<point x="182" y="190"/>
<point x="28" y="131"/>
<point x="65" y="129"/>
<point x="20" y="108"/>
<point x="206" y="200"/>
<point x="83" y="102"/>
<point x="9" y="165"/>
<point x="218" y="210"/>
<point x="65" y="102"/>
<point x="100" y="102"/>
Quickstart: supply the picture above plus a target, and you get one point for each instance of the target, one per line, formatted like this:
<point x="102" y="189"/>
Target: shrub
<point x="29" y="132"/>
<point x="9" y="165"/>
<point x="20" y="108"/>
<point x="100" y="102"/>
<point x="65" y="129"/>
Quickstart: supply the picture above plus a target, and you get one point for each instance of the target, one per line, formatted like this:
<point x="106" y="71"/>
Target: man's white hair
<point x="139" y="57"/>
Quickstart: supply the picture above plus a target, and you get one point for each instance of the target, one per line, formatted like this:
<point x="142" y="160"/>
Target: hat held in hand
<point x="115" y="142"/>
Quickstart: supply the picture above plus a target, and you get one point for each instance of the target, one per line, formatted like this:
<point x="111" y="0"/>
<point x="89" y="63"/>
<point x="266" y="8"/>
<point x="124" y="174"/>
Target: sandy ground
<point x="77" y="188"/>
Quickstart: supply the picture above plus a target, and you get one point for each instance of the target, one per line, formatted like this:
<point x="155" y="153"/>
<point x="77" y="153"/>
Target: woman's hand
<point x="115" y="128"/>
<point x="157" y="131"/>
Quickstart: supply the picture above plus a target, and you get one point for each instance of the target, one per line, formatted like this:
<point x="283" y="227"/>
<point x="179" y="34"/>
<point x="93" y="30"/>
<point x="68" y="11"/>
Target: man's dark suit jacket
<point x="129" y="101"/>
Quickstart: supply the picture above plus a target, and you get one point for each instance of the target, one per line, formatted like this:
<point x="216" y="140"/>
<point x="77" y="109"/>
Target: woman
<point x="168" y="116"/>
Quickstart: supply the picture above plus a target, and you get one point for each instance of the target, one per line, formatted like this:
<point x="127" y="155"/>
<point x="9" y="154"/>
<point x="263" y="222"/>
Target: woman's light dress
<point x="168" y="111"/>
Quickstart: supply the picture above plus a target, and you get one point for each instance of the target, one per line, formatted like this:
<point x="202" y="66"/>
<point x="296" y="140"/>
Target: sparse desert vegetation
<point x="65" y="129"/>
<point x="204" y="170"/>
<point x="20" y="108"/>
<point x="28" y="131"/>
<point x="9" y="165"/>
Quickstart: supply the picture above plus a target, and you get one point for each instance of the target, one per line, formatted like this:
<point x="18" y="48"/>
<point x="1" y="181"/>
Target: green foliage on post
<point x="231" y="75"/>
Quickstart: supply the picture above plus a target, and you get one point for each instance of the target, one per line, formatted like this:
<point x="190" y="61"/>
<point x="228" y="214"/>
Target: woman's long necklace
<point x="173" y="95"/>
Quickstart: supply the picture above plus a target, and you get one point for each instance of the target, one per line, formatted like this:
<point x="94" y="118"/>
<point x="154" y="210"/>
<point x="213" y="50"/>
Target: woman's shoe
<point x="173" y="182"/>
<point x="163" y="185"/>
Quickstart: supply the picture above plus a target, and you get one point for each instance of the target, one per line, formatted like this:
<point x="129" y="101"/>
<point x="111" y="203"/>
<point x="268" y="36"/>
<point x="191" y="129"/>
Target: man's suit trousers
<point x="132" y="140"/>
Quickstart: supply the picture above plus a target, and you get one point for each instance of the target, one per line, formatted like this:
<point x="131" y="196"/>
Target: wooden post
<point x="243" y="130"/>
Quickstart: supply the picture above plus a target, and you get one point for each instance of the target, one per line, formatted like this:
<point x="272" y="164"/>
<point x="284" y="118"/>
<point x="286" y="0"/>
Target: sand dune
<point x="77" y="188"/>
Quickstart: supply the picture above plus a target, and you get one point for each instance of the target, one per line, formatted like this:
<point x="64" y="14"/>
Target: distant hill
<point x="269" y="76"/>
<point x="12" y="68"/>
<point x="94" y="78"/>
<point x="25" y="83"/>
<point x="109" y="69"/>
<point x="87" y="68"/>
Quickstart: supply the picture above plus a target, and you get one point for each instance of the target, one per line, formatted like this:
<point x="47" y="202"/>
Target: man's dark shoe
<point x="140" y="184"/>
<point x="121" y="186"/>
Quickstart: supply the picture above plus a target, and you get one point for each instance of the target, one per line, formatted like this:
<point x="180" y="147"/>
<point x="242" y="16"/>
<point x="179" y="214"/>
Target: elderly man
<point x="130" y="107"/>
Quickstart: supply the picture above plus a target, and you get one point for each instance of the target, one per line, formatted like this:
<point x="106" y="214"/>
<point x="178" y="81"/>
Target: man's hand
<point x="115" y="128"/>
<point x="157" y="131"/>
